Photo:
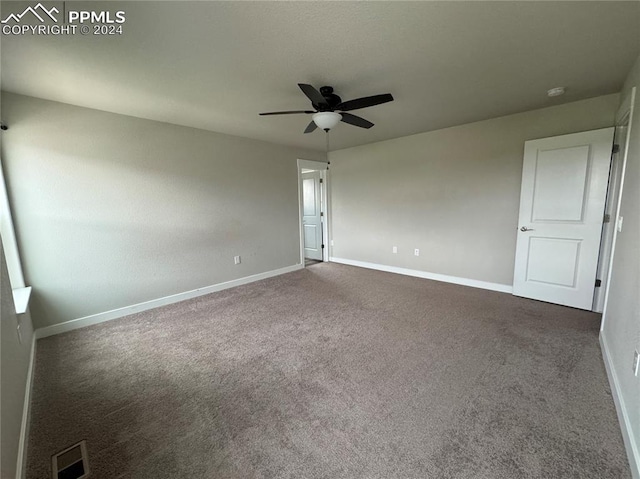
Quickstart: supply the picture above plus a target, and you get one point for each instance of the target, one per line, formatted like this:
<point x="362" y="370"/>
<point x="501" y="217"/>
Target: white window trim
<point x="21" y="293"/>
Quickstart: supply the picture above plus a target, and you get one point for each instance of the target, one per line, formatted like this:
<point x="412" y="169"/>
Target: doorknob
<point x="524" y="228"/>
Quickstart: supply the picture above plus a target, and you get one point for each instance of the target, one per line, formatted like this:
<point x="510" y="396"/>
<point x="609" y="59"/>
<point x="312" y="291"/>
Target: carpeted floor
<point x="333" y="372"/>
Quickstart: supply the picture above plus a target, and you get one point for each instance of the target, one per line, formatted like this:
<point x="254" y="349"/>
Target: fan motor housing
<point x="333" y="100"/>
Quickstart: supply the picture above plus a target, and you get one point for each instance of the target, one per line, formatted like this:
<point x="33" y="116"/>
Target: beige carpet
<point x="333" y="372"/>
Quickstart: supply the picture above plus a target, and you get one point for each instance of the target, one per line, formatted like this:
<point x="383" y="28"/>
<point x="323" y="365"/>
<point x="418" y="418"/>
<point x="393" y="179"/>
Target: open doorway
<point x="313" y="198"/>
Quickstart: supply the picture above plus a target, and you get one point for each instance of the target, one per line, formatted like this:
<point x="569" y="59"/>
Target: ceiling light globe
<point x="327" y="119"/>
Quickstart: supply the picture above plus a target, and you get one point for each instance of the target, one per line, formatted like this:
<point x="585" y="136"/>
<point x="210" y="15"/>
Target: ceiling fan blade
<point x="286" y="112"/>
<point x="312" y="94"/>
<point x="356" y="120"/>
<point x="310" y="127"/>
<point x="364" y="102"/>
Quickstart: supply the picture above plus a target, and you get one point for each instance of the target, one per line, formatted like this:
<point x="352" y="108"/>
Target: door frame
<point x="325" y="204"/>
<point x="624" y="116"/>
<point x="609" y="229"/>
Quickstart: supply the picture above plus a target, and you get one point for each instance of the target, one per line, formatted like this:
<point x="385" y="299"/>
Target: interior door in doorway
<point x="311" y="215"/>
<point x="562" y="200"/>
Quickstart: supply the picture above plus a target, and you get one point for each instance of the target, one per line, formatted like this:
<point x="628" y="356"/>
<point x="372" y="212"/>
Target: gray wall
<point x="14" y="365"/>
<point x="112" y="210"/>
<point x="452" y="193"/>
<point x="621" y="329"/>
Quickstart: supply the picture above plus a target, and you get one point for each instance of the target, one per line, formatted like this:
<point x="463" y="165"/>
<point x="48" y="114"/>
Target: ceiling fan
<point x="329" y="109"/>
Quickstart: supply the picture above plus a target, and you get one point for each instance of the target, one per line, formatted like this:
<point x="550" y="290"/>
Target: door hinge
<point x="598" y="283"/>
<point x="616" y="149"/>
<point x="320" y="180"/>
<point x="607" y="218"/>
<point x="322" y="246"/>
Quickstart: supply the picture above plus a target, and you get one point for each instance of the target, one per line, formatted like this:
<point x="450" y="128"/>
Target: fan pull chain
<point x="327" y="145"/>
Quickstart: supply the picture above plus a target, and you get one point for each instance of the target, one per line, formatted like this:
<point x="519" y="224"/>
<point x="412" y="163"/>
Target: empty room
<point x="309" y="239"/>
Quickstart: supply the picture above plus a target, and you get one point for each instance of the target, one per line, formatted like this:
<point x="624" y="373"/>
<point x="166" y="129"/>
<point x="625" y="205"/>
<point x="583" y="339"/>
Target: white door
<point x="311" y="216"/>
<point x="564" y="186"/>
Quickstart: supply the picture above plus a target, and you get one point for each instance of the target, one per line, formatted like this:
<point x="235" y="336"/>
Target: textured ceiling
<point x="216" y="65"/>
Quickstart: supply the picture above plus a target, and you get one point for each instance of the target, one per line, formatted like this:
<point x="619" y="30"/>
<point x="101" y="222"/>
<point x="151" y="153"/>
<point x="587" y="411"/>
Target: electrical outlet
<point x="394" y="250"/>
<point x="331" y="242"/>
<point x="236" y="260"/>
<point x="416" y="252"/>
<point x="636" y="362"/>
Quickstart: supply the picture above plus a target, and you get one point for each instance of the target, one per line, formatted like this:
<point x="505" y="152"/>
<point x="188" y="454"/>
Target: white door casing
<point x="311" y="215"/>
<point x="624" y="117"/>
<point x="564" y="185"/>
<point x="606" y="243"/>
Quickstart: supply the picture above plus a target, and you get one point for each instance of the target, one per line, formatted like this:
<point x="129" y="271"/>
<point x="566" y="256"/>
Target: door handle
<point x="524" y="228"/>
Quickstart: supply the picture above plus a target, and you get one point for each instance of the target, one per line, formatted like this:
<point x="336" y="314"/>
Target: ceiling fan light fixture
<point x="325" y="104"/>
<point x="326" y="119"/>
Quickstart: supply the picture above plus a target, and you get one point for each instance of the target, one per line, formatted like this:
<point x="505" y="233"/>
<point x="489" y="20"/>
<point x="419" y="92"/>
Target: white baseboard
<point x="21" y="469"/>
<point x="625" y="423"/>
<point x="155" y="303"/>
<point x="474" y="283"/>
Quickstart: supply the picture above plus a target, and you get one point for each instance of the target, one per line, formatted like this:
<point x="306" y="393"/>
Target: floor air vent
<point x="71" y="463"/>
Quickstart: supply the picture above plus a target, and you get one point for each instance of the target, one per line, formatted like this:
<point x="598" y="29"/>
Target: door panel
<point x="564" y="184"/>
<point x="310" y="237"/>
<point x="560" y="184"/>
<point x="309" y="200"/>
<point x="311" y="217"/>
<point x="557" y="261"/>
